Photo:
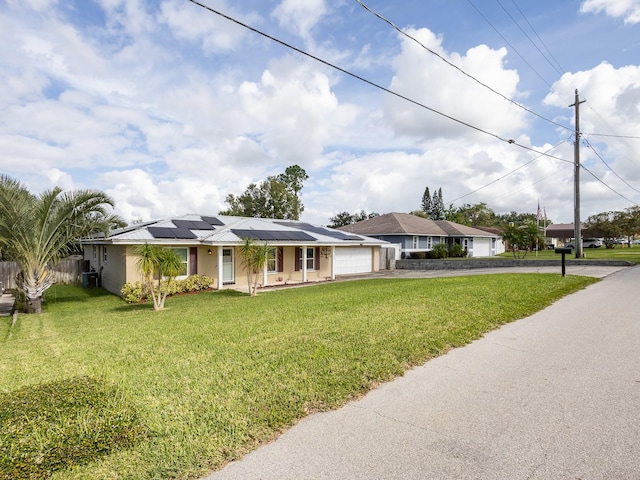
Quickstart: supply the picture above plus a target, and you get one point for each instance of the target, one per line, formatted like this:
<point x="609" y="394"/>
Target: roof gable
<point x="408" y="224"/>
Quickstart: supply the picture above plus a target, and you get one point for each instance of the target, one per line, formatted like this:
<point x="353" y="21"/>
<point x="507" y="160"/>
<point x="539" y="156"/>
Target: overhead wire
<point x="412" y="38"/>
<point x="609" y="187"/>
<point x="559" y="71"/>
<point x="538" y="37"/>
<point x="609" y="166"/>
<point x="369" y="82"/>
<point x="509" y="173"/>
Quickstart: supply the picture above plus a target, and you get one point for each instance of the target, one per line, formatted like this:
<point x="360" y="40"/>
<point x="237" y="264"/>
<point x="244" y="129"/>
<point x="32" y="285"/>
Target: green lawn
<point x="216" y="374"/>
<point x="627" y="254"/>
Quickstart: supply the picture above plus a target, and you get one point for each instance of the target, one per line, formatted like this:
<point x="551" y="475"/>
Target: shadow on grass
<point x="148" y="305"/>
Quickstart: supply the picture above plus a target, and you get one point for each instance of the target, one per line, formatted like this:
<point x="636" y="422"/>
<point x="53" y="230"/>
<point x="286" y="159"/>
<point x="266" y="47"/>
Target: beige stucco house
<point x="300" y="252"/>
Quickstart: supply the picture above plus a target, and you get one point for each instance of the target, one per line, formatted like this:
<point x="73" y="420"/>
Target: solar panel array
<point x="193" y="224"/>
<point x="322" y="231"/>
<point x="216" y="222"/>
<point x="277" y="235"/>
<point x="165" y="232"/>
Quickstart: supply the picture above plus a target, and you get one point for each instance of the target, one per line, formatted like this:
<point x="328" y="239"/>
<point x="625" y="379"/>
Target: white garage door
<point x="353" y="260"/>
<point x="481" y="247"/>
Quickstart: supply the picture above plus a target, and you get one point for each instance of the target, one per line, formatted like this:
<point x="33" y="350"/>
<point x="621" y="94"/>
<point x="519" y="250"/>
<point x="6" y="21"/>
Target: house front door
<point x="228" y="270"/>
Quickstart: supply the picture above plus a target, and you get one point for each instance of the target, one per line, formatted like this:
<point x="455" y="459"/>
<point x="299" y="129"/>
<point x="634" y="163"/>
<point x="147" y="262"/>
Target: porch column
<point x="264" y="275"/>
<point x="220" y="269"/>
<point x="333" y="262"/>
<point x="304" y="263"/>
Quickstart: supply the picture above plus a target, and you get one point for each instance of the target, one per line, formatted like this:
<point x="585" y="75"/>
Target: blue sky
<point x="169" y="107"/>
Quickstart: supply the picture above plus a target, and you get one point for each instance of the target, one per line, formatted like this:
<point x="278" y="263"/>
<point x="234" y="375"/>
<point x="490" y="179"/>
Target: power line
<point x="610" y="188"/>
<point x="410" y="37"/>
<point x="611" y="135"/>
<point x="509" y="173"/>
<point x="369" y="82"/>
<point x="559" y="72"/>
<point x="609" y="166"/>
<point x="538" y="36"/>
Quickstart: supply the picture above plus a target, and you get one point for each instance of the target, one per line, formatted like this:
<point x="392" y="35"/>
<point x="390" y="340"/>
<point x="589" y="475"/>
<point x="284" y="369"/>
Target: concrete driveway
<point x="553" y="396"/>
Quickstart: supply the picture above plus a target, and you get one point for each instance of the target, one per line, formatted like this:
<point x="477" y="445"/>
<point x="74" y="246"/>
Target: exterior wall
<point x="111" y="270"/>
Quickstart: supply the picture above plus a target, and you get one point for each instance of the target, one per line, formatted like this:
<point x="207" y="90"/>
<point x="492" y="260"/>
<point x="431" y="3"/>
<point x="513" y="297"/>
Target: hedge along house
<point x="415" y="234"/>
<point x="300" y="252"/>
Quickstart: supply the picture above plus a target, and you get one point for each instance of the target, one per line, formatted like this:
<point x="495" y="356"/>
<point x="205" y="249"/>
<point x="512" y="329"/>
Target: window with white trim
<point x="183" y="254"/>
<point x="272" y="260"/>
<point x="95" y="252"/>
<point x="310" y="257"/>
<point x="429" y="243"/>
<point x="416" y="242"/>
<point x="104" y="254"/>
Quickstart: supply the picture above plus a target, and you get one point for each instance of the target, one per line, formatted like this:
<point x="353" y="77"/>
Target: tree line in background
<point x="613" y="226"/>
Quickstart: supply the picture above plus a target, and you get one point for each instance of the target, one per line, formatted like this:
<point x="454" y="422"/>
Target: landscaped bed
<point x="216" y="374"/>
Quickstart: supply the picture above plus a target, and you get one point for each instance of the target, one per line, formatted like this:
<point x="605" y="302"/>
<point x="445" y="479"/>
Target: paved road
<point x="553" y="396"/>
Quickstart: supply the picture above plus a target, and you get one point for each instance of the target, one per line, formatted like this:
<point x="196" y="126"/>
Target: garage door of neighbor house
<point x="353" y="260"/>
<point x="481" y="247"/>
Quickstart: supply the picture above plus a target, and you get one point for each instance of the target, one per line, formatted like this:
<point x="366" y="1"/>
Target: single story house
<point x="207" y="244"/>
<point x="416" y="234"/>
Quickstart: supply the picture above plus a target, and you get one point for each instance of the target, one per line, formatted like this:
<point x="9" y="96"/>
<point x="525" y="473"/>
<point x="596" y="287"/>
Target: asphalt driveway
<point x="553" y="396"/>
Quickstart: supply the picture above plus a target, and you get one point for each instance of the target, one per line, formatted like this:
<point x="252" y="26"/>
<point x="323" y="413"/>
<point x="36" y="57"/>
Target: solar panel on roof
<point x="322" y="231"/>
<point x="267" y="235"/>
<point x="193" y="224"/>
<point x="164" y="232"/>
<point x="213" y="221"/>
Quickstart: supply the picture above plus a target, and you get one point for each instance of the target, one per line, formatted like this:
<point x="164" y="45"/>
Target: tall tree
<point x="293" y="177"/>
<point x="159" y="266"/>
<point x="278" y="196"/>
<point x="437" y="206"/>
<point x="37" y="231"/>
<point x="426" y="203"/>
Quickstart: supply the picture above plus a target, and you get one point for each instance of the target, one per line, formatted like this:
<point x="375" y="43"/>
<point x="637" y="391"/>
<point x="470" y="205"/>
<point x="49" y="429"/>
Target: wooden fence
<point x="68" y="270"/>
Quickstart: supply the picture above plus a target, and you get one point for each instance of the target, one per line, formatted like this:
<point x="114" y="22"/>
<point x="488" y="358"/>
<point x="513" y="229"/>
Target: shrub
<point x="439" y="250"/>
<point x="136" y="293"/>
<point x="58" y="425"/>
<point x="418" y="255"/>
<point x="133" y="292"/>
<point x="457" y="251"/>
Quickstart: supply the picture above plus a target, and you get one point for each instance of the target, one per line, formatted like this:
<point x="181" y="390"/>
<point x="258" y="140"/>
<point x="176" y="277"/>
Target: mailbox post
<point x="563" y="251"/>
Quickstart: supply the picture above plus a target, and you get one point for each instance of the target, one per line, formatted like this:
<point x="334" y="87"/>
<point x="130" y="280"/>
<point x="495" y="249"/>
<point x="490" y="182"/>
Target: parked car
<point x="587" y="243"/>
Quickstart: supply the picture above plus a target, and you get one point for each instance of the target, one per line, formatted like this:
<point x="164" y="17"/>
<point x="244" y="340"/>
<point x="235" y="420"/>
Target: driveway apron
<point x="553" y="396"/>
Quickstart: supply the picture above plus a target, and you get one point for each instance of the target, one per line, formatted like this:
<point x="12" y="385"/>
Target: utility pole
<point x="576" y="180"/>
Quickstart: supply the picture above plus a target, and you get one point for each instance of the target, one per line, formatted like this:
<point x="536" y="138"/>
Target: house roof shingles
<point x="407" y="224"/>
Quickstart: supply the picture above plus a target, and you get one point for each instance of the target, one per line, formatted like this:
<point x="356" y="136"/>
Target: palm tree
<point x="37" y="231"/>
<point x="254" y="258"/>
<point x="158" y="264"/>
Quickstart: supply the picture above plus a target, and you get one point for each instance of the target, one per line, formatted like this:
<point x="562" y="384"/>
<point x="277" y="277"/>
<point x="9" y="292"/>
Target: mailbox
<point x="563" y="250"/>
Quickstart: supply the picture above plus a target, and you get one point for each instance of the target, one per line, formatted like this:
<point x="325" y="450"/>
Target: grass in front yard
<point x="619" y="253"/>
<point x="215" y="374"/>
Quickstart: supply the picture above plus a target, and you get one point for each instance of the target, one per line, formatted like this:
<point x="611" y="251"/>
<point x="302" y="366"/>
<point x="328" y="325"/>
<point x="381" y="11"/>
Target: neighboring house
<point x="207" y="244"/>
<point x="560" y="234"/>
<point x="416" y="234"/>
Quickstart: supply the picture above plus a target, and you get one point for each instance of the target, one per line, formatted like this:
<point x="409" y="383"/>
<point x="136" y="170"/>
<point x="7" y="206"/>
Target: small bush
<point x="418" y="255"/>
<point x="136" y="293"/>
<point x="58" y="425"/>
<point x="457" y="251"/>
<point x="133" y="292"/>
<point x="439" y="250"/>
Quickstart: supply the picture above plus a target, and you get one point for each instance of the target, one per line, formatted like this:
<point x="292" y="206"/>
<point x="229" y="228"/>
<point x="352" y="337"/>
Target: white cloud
<point x="421" y="76"/>
<point x="629" y="9"/>
<point x="215" y="34"/>
<point x="294" y="111"/>
<point x="300" y="17"/>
